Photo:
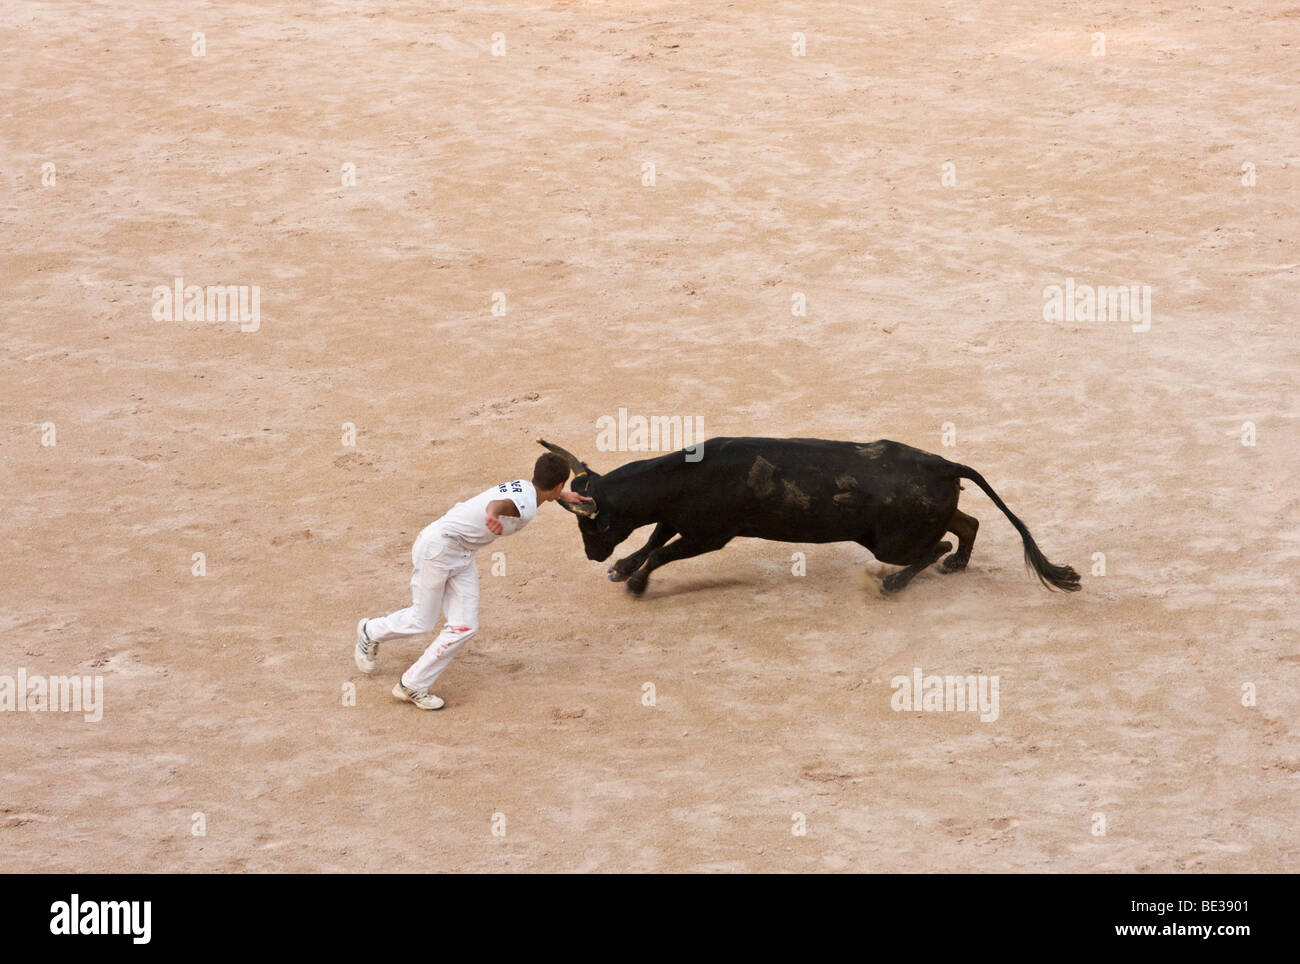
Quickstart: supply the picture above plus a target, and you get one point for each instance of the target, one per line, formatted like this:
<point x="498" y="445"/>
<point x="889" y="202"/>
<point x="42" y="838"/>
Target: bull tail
<point x="1051" y="576"/>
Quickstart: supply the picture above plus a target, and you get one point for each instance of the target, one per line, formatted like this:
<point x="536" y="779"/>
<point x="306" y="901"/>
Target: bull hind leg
<point x="897" y="580"/>
<point x="964" y="528"/>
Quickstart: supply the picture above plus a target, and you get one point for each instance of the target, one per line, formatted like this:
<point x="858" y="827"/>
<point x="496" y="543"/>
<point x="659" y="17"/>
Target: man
<point x="446" y="579"/>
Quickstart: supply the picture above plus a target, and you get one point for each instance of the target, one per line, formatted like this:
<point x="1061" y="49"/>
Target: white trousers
<point x="445" y="580"/>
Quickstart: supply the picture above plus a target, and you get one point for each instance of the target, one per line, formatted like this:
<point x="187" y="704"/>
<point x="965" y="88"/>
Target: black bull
<point x="895" y="500"/>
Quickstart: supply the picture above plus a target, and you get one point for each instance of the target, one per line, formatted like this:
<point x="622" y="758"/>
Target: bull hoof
<point x="952" y="564"/>
<point x="892" y="583"/>
<point x="616" y="576"/>
<point x="636" y="583"/>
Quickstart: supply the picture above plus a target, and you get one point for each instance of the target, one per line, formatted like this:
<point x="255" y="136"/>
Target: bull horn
<point x="587" y="510"/>
<point x="578" y="468"/>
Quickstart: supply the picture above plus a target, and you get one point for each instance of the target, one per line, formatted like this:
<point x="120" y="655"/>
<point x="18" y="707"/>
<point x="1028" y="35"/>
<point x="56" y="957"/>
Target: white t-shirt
<point x="466" y="520"/>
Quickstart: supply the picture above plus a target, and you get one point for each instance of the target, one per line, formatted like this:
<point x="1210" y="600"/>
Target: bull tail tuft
<point x="1050" y="575"/>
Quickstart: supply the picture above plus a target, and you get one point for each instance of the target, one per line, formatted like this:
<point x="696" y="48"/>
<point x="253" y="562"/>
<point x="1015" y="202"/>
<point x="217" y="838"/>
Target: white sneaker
<point x="367" y="650"/>
<point x="421" y="698"/>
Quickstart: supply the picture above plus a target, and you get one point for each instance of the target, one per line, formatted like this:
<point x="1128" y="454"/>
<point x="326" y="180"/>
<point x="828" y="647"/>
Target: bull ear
<point x="587" y="510"/>
<point x="578" y="468"/>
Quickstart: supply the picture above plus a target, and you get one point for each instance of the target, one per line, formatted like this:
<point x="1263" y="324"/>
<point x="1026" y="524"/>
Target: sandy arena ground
<point x="775" y="175"/>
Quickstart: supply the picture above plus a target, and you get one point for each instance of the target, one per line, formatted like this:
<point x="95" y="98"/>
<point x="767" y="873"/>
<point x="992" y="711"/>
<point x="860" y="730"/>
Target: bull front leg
<point x="683" y="548"/>
<point x="620" y="570"/>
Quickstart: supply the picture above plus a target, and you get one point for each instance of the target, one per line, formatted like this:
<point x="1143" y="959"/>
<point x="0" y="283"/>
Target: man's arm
<point x="494" y="512"/>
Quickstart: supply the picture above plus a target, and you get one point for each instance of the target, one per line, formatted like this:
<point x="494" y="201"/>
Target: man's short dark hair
<point x="550" y="471"/>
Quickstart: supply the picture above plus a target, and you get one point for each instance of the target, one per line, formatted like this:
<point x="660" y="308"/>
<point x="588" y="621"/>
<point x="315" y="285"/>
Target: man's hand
<point x="572" y="498"/>
<point x="493" y="524"/>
